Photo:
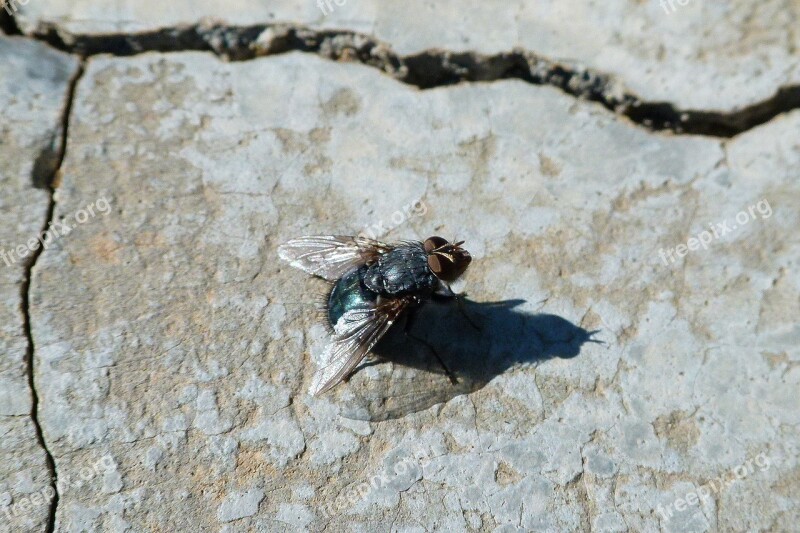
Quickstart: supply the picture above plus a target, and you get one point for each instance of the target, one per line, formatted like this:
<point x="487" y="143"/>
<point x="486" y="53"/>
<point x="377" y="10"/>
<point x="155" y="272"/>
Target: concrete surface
<point x="636" y="363"/>
<point x="696" y="55"/>
<point x="34" y="81"/>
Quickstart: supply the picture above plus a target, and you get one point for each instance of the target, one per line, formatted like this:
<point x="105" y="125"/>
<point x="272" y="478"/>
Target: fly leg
<point x="410" y="318"/>
<point x="447" y="293"/>
<point x="463" y="308"/>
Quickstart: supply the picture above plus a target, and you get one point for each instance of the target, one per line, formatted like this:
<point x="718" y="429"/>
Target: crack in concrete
<point x="51" y="184"/>
<point x="29" y="356"/>
<point x="428" y="69"/>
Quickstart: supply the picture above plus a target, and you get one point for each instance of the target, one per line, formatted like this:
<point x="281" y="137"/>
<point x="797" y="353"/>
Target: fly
<point x="374" y="284"/>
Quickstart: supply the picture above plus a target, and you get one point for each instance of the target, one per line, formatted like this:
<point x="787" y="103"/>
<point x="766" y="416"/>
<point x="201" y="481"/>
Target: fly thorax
<point x="402" y="271"/>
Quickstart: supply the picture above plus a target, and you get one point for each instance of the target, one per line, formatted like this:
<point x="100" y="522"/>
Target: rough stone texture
<point x="34" y="82"/>
<point x="176" y="351"/>
<point x="701" y="55"/>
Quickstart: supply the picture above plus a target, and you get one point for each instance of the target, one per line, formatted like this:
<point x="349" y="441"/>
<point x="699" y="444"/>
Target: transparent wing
<point x="397" y="391"/>
<point x="330" y="256"/>
<point x="354" y="336"/>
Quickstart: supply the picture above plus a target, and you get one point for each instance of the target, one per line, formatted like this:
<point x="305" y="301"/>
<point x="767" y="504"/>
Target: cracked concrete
<point x="36" y="83"/>
<point x="700" y="56"/>
<point x="430" y="68"/>
<point x="165" y="338"/>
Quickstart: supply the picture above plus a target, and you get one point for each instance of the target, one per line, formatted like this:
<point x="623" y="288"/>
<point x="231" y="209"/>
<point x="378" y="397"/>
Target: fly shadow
<point x="475" y="341"/>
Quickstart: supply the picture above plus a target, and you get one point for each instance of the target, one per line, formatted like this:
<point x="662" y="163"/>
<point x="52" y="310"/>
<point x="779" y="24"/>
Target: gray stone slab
<point x="176" y="351"/>
<point x="696" y="55"/>
<point x="34" y="82"/>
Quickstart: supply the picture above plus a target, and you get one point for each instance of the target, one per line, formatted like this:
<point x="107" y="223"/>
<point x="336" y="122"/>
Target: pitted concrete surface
<point x="635" y="361"/>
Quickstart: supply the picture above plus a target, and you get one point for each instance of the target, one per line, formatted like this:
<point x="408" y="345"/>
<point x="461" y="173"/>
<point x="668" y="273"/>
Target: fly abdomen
<point x="400" y="272"/>
<point x="349" y="293"/>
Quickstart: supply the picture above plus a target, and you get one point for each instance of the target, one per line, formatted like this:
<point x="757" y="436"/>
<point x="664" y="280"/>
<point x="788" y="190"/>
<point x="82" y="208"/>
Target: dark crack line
<point x="25" y="297"/>
<point x="428" y="69"/>
<point x="26" y="320"/>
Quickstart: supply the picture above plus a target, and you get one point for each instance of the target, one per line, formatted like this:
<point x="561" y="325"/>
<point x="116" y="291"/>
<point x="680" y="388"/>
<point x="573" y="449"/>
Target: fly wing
<point x="354" y="336"/>
<point x="330" y="256"/>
